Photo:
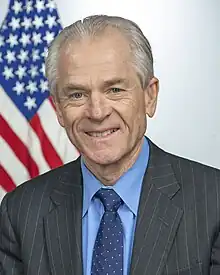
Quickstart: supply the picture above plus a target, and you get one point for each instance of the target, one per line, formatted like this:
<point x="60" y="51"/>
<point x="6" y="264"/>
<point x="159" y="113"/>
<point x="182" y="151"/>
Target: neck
<point x="109" y="174"/>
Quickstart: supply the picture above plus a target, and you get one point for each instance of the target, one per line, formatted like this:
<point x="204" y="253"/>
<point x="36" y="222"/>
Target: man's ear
<point x="151" y="94"/>
<point x="58" y="109"/>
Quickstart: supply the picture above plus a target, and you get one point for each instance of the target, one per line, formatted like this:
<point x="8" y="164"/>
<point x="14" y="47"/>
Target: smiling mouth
<point x="102" y="134"/>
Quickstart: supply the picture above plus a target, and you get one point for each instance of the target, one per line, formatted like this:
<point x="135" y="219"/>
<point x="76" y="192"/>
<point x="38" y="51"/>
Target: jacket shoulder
<point x="189" y="171"/>
<point x="180" y="162"/>
<point x="38" y="190"/>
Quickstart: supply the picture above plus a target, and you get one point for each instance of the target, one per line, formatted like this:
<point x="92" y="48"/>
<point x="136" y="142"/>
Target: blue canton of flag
<point x="28" y="29"/>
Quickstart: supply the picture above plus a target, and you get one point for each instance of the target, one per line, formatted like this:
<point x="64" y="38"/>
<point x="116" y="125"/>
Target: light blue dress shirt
<point x="128" y="187"/>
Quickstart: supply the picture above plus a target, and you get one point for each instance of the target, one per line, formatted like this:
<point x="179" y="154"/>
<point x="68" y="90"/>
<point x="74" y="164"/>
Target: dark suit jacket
<point x="177" y="228"/>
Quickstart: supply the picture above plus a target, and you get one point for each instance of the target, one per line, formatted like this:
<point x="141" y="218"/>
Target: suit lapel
<point x="157" y="223"/>
<point x="158" y="218"/>
<point x="63" y="225"/>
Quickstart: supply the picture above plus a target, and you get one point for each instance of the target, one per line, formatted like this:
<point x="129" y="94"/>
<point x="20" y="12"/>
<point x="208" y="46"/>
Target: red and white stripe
<point x="28" y="149"/>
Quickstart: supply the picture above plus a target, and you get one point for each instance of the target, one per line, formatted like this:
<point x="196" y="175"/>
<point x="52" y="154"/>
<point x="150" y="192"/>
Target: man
<point x="125" y="206"/>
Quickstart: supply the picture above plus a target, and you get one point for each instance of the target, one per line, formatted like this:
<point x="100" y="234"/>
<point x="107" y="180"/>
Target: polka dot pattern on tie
<point x="108" y="248"/>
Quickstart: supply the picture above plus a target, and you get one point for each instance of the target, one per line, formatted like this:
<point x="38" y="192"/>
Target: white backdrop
<point x="185" y="37"/>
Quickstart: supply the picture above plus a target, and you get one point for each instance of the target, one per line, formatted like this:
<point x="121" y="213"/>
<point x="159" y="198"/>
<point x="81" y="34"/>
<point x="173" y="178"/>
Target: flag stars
<point x="35" y="55"/>
<point x="36" y="38"/>
<point x="42" y="69"/>
<point x="12" y="40"/>
<point x="40" y="5"/>
<point x="4" y="26"/>
<point x="26" y="23"/>
<point x="14" y="23"/>
<point x="30" y="103"/>
<point x="49" y="37"/>
<point x="28" y="29"/>
<point x="51" y="5"/>
<point x="51" y="21"/>
<point x="8" y="72"/>
<point x="19" y="88"/>
<point x="44" y="53"/>
<point x="29" y="6"/>
<point x="23" y="55"/>
<point x="2" y="41"/>
<point x="33" y="71"/>
<point x="17" y="7"/>
<point x="32" y="86"/>
<point x="10" y="56"/>
<point x="21" y="71"/>
<point x="25" y="39"/>
<point x="43" y="86"/>
<point x="38" y="21"/>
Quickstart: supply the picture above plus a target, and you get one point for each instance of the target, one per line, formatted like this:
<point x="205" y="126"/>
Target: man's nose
<point x="99" y="107"/>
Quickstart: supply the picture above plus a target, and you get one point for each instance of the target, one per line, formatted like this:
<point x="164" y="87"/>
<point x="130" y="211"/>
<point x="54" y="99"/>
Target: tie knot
<point x="110" y="199"/>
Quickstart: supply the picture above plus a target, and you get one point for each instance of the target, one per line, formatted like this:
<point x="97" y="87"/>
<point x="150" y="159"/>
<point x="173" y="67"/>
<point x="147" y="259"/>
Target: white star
<point x="12" y="40"/>
<point x="26" y="23"/>
<point x="29" y="6"/>
<point x="10" y="56"/>
<point x="40" y="5"/>
<point x="8" y="72"/>
<point x="42" y="69"/>
<point x="43" y="86"/>
<point x="51" y="21"/>
<point x="15" y="23"/>
<point x="25" y="39"/>
<point x="35" y="54"/>
<point x="4" y="26"/>
<point x="36" y="38"/>
<point x="49" y="37"/>
<point x="17" y="7"/>
<point x="38" y="21"/>
<point x="45" y="52"/>
<point x="32" y="86"/>
<point x="51" y="5"/>
<point x="2" y="42"/>
<point x="19" y="88"/>
<point x="33" y="71"/>
<point x="23" y="55"/>
<point x="21" y="72"/>
<point x="30" y="103"/>
<point x="59" y="22"/>
<point x="1" y="60"/>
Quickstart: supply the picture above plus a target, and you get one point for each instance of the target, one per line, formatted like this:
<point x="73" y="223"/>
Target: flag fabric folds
<point x="31" y="141"/>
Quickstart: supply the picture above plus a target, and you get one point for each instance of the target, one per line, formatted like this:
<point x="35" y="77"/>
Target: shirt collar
<point x="128" y="187"/>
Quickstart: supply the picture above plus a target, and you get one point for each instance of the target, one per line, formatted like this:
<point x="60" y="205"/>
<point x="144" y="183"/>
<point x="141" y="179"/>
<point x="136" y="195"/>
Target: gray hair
<point x="95" y="25"/>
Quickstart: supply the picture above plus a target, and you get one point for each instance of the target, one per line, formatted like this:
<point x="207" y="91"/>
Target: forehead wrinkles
<point x="94" y="70"/>
<point x="98" y="80"/>
<point x="93" y="59"/>
<point x="108" y="44"/>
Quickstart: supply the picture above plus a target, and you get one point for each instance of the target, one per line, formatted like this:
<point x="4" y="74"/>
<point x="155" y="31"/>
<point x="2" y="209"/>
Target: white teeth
<point x="102" y="134"/>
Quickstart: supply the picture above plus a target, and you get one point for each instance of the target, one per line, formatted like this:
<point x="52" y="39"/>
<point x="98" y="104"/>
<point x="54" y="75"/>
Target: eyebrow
<point x="75" y="86"/>
<point x="114" y="81"/>
<point x="105" y="84"/>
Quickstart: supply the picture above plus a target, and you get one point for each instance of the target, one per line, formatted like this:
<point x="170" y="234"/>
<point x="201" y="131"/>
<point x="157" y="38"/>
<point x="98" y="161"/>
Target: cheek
<point x="69" y="118"/>
<point x="137" y="117"/>
<point x="132" y="110"/>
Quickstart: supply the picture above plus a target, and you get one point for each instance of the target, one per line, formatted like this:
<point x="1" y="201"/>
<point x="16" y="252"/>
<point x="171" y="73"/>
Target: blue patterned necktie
<point x="108" y="249"/>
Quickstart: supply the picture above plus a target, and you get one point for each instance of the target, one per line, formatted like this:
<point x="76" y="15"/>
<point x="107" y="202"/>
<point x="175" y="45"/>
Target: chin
<point x="102" y="158"/>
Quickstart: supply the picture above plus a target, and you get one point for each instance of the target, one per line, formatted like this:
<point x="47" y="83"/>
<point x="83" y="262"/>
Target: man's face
<point x="101" y="103"/>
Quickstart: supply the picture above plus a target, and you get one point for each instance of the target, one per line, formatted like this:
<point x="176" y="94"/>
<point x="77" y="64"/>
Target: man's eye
<point x="77" y="95"/>
<point x="115" y="90"/>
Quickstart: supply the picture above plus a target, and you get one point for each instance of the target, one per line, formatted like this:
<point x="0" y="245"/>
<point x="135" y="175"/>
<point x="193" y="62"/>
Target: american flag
<point x="31" y="141"/>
